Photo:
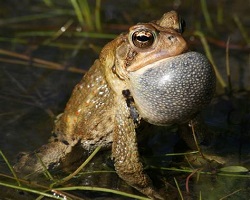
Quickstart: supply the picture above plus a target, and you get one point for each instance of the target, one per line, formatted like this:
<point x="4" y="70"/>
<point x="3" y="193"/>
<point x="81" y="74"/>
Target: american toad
<point x="146" y="74"/>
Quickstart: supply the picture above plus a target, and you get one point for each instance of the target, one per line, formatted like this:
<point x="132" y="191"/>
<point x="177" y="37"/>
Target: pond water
<point x="45" y="49"/>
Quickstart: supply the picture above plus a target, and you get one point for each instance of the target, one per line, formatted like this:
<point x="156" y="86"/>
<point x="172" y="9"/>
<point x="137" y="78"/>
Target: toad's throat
<point x="174" y="89"/>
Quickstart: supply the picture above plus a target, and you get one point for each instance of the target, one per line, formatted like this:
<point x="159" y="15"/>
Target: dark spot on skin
<point x="57" y="130"/>
<point x="54" y="135"/>
<point x="65" y="142"/>
<point x="130" y="103"/>
<point x="126" y="93"/>
<point x="109" y="119"/>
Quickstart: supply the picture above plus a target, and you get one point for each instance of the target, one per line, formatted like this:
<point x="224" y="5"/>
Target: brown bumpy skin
<point x="105" y="107"/>
<point x="127" y="163"/>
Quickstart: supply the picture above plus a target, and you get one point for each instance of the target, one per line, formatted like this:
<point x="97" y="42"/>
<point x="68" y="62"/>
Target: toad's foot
<point x="47" y="156"/>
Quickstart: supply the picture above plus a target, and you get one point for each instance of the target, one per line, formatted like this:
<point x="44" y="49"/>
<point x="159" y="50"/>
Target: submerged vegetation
<point x="52" y="40"/>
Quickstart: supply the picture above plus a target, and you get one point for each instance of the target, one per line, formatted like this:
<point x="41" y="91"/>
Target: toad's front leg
<point x="126" y="156"/>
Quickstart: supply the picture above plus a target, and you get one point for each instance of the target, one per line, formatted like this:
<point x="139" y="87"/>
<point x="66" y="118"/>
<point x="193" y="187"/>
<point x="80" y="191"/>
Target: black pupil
<point x="143" y="38"/>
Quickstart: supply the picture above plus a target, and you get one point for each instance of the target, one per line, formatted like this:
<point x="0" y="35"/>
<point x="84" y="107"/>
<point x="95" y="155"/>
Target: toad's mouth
<point x="149" y="59"/>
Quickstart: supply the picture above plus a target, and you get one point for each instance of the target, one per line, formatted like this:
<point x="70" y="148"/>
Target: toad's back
<point x="89" y="114"/>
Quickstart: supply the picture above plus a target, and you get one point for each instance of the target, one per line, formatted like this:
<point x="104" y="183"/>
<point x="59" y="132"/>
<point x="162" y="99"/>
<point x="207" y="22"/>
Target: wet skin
<point x="148" y="75"/>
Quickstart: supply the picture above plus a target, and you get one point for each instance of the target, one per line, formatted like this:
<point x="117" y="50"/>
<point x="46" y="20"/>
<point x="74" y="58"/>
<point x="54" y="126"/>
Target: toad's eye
<point x="182" y="25"/>
<point x="143" y="38"/>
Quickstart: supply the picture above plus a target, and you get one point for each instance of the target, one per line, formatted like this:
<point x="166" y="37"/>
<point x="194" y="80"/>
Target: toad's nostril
<point x="171" y="37"/>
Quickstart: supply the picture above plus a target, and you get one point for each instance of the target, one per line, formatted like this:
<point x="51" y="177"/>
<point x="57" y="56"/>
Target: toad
<point x="146" y="74"/>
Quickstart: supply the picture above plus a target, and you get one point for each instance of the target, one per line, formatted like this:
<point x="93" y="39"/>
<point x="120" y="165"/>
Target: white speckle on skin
<point x="79" y="110"/>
